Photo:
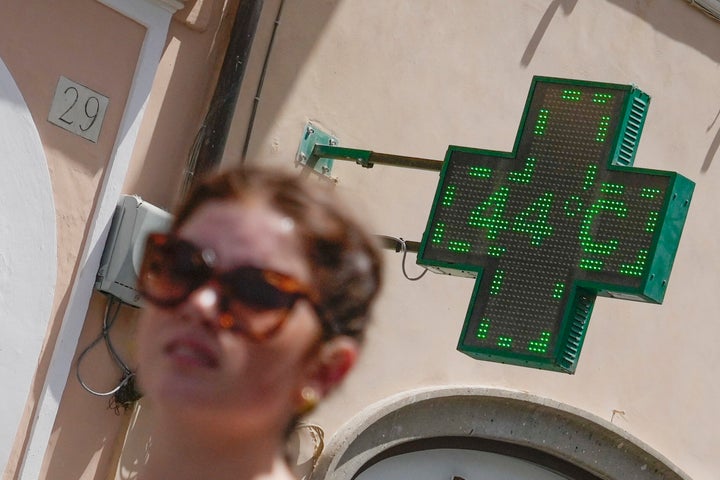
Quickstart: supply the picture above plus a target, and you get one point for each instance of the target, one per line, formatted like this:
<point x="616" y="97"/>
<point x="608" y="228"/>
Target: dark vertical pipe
<point x="211" y="145"/>
<point x="256" y="102"/>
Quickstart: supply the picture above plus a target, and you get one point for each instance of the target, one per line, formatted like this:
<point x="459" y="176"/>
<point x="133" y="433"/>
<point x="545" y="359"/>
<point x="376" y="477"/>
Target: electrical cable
<point x="189" y="172"/>
<point x="111" y="349"/>
<point x="403" y="248"/>
<point x="111" y="312"/>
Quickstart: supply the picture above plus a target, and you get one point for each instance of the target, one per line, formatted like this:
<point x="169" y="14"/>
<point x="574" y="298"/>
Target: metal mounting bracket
<point x="312" y="136"/>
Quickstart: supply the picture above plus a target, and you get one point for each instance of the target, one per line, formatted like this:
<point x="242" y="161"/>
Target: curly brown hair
<point x="344" y="259"/>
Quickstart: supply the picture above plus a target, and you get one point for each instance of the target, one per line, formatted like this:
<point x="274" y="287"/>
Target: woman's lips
<point x="191" y="352"/>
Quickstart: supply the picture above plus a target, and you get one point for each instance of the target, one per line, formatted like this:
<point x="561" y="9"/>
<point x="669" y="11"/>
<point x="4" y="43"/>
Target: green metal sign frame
<point x="562" y="218"/>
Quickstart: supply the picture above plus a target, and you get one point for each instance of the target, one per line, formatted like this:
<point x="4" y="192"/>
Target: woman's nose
<point x="205" y="303"/>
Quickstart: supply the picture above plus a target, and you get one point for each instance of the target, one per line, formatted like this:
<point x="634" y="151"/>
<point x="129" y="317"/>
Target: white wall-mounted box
<point x="120" y="263"/>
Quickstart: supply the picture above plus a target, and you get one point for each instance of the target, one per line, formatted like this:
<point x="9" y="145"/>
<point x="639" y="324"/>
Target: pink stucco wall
<point x="100" y="48"/>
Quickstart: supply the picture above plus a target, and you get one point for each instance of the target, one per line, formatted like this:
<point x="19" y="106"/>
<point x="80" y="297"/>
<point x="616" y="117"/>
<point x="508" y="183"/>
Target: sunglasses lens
<point x="251" y="287"/>
<point x="259" y="300"/>
<point x="171" y="270"/>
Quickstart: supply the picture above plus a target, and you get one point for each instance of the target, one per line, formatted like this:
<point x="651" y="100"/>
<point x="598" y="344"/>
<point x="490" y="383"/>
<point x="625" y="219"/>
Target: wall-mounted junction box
<point x="120" y="263"/>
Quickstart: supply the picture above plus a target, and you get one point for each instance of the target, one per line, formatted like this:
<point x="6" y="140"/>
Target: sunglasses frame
<point x="200" y="270"/>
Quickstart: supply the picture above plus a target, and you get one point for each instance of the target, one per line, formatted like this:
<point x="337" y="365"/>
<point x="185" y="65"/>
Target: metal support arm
<point x="368" y="159"/>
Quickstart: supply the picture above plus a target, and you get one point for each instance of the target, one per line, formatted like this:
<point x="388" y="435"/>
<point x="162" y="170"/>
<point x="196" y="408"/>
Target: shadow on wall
<point x="188" y="70"/>
<point x="714" y="146"/>
<point x="301" y="25"/>
<point x="567" y="8"/>
<point x="171" y="164"/>
<point x="673" y="18"/>
<point x="91" y="428"/>
<point x="681" y="24"/>
<point x="679" y="21"/>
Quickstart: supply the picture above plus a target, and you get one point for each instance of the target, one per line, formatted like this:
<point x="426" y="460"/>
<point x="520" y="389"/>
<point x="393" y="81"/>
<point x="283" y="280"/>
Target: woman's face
<point x="186" y="362"/>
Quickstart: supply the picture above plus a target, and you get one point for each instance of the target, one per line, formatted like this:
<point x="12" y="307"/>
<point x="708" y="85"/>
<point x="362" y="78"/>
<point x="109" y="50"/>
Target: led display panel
<point x="561" y="219"/>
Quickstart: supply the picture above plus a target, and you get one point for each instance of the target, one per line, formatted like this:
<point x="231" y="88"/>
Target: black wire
<point x="111" y="312"/>
<point x="403" y="248"/>
<point x="113" y="353"/>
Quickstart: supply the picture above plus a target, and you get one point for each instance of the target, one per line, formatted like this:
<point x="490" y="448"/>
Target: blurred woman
<point x="256" y="304"/>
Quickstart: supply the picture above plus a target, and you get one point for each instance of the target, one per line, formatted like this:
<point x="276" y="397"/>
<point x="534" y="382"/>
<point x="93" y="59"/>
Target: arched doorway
<point x="456" y="464"/>
<point x="473" y="433"/>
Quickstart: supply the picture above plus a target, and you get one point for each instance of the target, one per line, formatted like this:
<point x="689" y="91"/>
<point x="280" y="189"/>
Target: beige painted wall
<point x="407" y="77"/>
<point x="411" y="78"/>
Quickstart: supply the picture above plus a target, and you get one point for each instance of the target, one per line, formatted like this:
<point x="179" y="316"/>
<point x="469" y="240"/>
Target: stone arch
<point x="547" y="433"/>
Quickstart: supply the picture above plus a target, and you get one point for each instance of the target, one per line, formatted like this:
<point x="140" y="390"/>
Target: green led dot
<point x="571" y="95"/>
<point x="496" y="251"/>
<point x="460" y="247"/>
<point x="483" y="328"/>
<point x="649" y="192"/>
<point x="541" y="344"/>
<point x="612" y="188"/>
<point x="589" y="264"/>
<point x="504" y="342"/>
<point x="526" y="174"/>
<point x="541" y="123"/>
<point x="497" y="282"/>
<point x="438" y="232"/>
<point x="590" y="175"/>
<point x="601" y="97"/>
<point x="449" y="196"/>
<point x="635" y="269"/>
<point x="572" y="206"/>
<point x="651" y="222"/>
<point x="481" y="172"/>
<point x="589" y="246"/>
<point x="558" y="290"/>
<point x="533" y="220"/>
<point x="602" y="131"/>
<point x="489" y="214"/>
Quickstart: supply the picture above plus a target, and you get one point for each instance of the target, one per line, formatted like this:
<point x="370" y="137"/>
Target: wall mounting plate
<point x="312" y="135"/>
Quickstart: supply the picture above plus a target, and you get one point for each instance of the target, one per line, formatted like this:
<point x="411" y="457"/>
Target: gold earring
<point x="310" y="399"/>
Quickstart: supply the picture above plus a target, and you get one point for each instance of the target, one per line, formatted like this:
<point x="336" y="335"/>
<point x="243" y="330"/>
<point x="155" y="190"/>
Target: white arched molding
<point x="155" y="15"/>
<point x="28" y="255"/>
<point x="545" y="432"/>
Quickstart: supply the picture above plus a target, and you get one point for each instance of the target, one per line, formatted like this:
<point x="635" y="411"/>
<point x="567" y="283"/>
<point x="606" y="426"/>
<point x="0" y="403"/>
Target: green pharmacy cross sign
<point x="561" y="219"/>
